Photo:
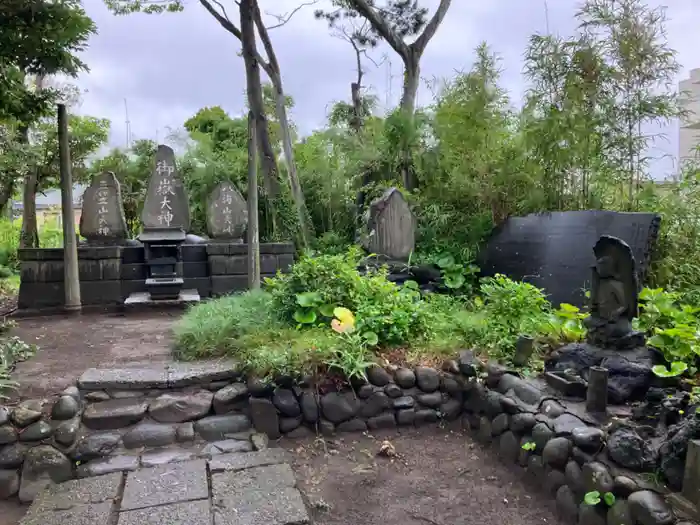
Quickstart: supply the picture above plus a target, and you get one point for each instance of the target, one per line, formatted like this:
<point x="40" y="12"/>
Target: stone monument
<point x="227" y="213"/>
<point x="166" y="219"/>
<point x="391" y="227"/>
<point x="102" y="219"/>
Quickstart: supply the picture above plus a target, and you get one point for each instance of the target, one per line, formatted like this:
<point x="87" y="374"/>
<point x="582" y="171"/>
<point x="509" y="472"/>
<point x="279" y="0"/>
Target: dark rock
<point x="393" y="390"/>
<point x="326" y="428"/>
<point x="42" y="466"/>
<point x="574" y="478"/>
<point x="287" y="424"/>
<point x="620" y="514"/>
<point x="300" y="432"/>
<point x="566" y="505"/>
<point x="589" y="515"/>
<point x="552" y="409"/>
<point x="115" y="413"/>
<point x="108" y="465"/>
<point x="450" y="366"/>
<point x="4" y="415"/>
<point x="365" y="391"/>
<point x="97" y="396"/>
<point x="403" y="402"/>
<point x="649" y="508"/>
<point x="378" y="376"/>
<point x="36" y="431"/>
<point x="353" y="425"/>
<point x="468" y="364"/>
<point x="451" y="385"/>
<point x="471" y="421"/>
<point x="180" y="407"/>
<point x="12" y="456"/>
<point x="382" y="421"/>
<point x="65" y="407"/>
<point x="494" y="373"/>
<point x="535" y="467"/>
<point x="492" y="404"/>
<point x="9" y="483"/>
<point x="674" y="449"/>
<point x="541" y="433"/>
<point x="376" y="404"/>
<point x="500" y="424"/>
<point x="554" y="479"/>
<point x="432" y="400"/>
<point x="628" y="449"/>
<point x="217" y="385"/>
<point x="185" y="432"/>
<point x="258" y="388"/>
<point x="309" y="407"/>
<point x="8" y="434"/>
<point x="451" y="409"/>
<point x="97" y="445"/>
<point x="230" y="398"/>
<point x="484" y="434"/>
<point x="556" y="452"/>
<point x="596" y="476"/>
<point x="338" y="407"/>
<point x="523" y="422"/>
<point x="510" y="405"/>
<point x="625" y="486"/>
<point x="427" y="379"/>
<point x="509" y="447"/>
<point x="26" y="413"/>
<point x="405" y="417"/>
<point x="286" y="402"/>
<point x="565" y="424"/>
<point x="581" y="457"/>
<point x="264" y="416"/>
<point x="589" y="439"/>
<point x="476" y="398"/>
<point x="405" y="378"/>
<point x="425" y="415"/>
<point x="147" y="434"/>
<point x="213" y="428"/>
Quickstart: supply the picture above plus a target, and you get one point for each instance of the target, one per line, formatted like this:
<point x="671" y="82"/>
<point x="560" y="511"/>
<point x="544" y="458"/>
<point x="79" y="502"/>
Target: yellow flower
<point x="344" y="321"/>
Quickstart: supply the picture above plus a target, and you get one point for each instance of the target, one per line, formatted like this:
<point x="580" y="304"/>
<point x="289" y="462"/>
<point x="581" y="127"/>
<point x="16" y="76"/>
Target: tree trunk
<point x="411" y="81"/>
<point x="6" y="193"/>
<point x="257" y="107"/>
<point x="29" y="236"/>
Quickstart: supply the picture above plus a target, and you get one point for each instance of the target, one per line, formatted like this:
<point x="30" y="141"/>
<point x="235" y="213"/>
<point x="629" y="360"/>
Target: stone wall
<point x="108" y="275"/>
<point x="116" y="420"/>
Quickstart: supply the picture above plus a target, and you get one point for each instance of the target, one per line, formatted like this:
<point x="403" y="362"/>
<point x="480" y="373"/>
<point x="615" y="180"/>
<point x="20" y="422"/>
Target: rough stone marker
<point x="250" y="488"/>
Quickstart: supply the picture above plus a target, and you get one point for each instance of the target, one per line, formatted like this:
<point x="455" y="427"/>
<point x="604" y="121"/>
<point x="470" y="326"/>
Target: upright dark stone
<point x="391" y="226"/>
<point x="102" y="218"/>
<point x="166" y="205"/>
<point x="264" y="416"/>
<point x="227" y="212"/>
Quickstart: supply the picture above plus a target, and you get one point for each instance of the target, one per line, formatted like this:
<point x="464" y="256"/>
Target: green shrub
<point x="5" y="272"/>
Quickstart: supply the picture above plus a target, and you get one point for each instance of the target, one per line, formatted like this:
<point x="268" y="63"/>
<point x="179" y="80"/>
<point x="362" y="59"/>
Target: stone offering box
<point x="108" y="275"/>
<point x="115" y="420"/>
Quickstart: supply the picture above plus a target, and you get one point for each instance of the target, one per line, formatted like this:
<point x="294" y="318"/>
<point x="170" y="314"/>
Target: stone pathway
<point x="251" y="488"/>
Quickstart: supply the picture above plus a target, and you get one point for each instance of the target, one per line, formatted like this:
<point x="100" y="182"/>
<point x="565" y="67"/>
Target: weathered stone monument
<point x="102" y="219"/>
<point x="166" y="219"/>
<point x="391" y="227"/>
<point x="227" y="213"/>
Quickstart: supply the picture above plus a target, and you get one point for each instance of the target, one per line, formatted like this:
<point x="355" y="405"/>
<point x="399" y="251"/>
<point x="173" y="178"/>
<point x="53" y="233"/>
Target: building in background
<point x="48" y="206"/>
<point x="689" y="136"/>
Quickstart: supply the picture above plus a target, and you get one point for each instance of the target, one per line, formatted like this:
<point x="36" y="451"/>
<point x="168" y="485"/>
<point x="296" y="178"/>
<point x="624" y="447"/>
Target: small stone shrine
<point x="391" y="227"/>
<point x="102" y="219"/>
<point x="227" y="213"/>
<point x="166" y="219"/>
<point x="611" y="342"/>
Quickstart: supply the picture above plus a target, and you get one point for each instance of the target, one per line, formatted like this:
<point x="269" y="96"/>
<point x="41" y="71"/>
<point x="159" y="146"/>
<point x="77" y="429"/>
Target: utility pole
<point x="71" y="276"/>
<point x="128" y="125"/>
<point x="546" y="17"/>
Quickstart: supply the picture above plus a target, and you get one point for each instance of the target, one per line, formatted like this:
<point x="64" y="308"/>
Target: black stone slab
<point x="554" y="251"/>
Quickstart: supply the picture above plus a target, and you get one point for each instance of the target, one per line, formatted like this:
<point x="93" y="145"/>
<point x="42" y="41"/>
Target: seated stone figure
<point x="613" y="296"/>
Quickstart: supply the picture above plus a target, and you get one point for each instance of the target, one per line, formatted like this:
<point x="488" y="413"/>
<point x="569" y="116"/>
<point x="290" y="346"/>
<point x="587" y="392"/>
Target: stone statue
<point x="614" y="289"/>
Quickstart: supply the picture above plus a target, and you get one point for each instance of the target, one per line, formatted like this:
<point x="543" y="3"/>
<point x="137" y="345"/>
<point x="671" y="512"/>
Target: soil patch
<point x="438" y="477"/>
<point x="68" y="345"/>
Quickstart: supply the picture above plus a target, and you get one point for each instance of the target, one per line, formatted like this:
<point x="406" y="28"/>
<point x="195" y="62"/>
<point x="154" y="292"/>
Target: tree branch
<point x="283" y="19"/>
<point x="380" y="25"/>
<point x="418" y="46"/>
<point x="272" y="68"/>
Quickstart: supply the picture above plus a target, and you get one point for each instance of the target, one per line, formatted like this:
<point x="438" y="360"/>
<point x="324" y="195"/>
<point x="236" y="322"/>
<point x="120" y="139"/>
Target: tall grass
<point x="50" y="236"/>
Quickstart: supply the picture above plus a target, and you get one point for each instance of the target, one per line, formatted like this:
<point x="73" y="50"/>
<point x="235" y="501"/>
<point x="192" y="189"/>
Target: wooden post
<point x="71" y="276"/>
<point x="253" y="228"/>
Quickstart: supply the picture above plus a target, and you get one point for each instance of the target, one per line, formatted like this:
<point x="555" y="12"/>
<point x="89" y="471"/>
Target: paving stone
<point x="189" y="374"/>
<point x="115" y="413"/>
<point x="214" y="428"/>
<point x="173" y="483"/>
<point x="100" y="467"/>
<point x="153" y="458"/>
<point x="123" y="379"/>
<point x="179" y="407"/>
<point x="79" y="492"/>
<point x="233" y="445"/>
<point x="246" y="460"/>
<point x="191" y="513"/>
<point x="80" y="515"/>
<point x="258" y="496"/>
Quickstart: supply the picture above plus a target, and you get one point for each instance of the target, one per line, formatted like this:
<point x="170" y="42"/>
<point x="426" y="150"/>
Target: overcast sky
<point x="168" y="66"/>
